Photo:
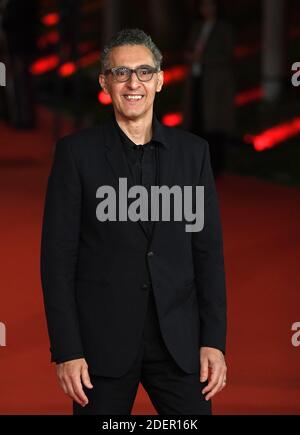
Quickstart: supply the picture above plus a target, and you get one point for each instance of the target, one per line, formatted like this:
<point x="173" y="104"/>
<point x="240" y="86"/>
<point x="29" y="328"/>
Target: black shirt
<point x="143" y="162"/>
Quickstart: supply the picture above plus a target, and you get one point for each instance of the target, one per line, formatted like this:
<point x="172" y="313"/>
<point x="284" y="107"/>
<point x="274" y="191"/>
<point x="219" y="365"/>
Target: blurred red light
<point x="175" y="74"/>
<point x="50" y="19"/>
<point x="48" y="38"/>
<point x="172" y="119"/>
<point x="44" y="65"/>
<point x="104" y="98"/>
<point x="67" y="69"/>
<point x="246" y="97"/>
<point x="274" y="135"/>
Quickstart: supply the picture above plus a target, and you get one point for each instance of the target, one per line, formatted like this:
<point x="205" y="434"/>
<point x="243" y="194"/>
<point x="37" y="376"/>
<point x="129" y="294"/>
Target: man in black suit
<point x="133" y="301"/>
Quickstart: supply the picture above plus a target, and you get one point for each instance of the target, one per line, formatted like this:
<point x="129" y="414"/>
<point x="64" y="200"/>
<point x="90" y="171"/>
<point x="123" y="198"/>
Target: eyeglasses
<point x="123" y="74"/>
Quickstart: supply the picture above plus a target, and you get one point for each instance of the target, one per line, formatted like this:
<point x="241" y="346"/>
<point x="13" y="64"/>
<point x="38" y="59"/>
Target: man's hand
<point x="70" y="375"/>
<point x="214" y="369"/>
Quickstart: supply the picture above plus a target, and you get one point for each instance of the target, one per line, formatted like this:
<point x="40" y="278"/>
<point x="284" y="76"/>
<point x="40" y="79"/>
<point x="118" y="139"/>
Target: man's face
<point x="131" y="56"/>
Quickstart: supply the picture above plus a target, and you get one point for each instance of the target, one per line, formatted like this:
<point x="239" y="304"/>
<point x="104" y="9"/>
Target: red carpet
<point x="262" y="251"/>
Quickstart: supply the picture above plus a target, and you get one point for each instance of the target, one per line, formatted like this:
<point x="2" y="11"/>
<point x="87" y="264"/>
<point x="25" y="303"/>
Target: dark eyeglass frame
<point x="113" y="71"/>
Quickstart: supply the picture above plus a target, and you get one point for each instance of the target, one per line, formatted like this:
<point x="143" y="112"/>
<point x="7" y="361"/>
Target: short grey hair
<point x="130" y="37"/>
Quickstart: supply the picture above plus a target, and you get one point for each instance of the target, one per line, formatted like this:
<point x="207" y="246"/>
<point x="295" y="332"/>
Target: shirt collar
<point x="157" y="133"/>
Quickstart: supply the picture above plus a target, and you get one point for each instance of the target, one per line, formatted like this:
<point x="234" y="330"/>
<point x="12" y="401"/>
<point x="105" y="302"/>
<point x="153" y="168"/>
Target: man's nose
<point x="133" y="82"/>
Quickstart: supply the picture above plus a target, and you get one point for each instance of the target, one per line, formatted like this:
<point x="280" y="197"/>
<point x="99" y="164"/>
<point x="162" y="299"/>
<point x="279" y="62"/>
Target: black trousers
<point x="171" y="390"/>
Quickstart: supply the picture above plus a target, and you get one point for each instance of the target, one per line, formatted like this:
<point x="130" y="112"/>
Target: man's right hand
<point x="71" y="375"/>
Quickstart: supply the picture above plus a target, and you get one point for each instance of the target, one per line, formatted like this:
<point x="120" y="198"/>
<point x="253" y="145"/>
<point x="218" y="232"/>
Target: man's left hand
<point x="213" y="369"/>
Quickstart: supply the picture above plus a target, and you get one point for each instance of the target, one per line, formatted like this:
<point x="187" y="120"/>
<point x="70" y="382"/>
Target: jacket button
<point x="150" y="254"/>
<point x="145" y="286"/>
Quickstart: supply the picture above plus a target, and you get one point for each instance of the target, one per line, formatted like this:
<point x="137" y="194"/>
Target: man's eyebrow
<point x="146" y="66"/>
<point x="139" y="66"/>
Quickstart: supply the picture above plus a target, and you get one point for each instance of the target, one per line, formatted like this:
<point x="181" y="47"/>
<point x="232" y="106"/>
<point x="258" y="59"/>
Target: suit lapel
<point x="117" y="160"/>
<point x="115" y="155"/>
<point x="166" y="161"/>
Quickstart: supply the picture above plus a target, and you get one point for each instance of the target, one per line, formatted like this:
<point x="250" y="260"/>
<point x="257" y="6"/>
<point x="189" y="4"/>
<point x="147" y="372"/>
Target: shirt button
<point x="150" y="254"/>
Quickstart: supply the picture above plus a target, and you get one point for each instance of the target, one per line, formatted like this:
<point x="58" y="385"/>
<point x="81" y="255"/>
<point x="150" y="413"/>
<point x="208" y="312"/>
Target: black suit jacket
<point x="93" y="273"/>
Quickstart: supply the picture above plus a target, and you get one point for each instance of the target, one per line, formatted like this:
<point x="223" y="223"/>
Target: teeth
<point x="133" y="97"/>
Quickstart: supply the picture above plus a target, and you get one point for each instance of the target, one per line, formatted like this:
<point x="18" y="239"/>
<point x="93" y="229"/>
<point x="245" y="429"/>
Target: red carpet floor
<point x="262" y="252"/>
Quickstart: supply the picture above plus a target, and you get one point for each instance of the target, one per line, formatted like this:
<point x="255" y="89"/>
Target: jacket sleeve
<point x="208" y="260"/>
<point x="59" y="244"/>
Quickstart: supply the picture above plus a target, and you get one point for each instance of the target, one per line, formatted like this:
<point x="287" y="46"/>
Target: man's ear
<point x="103" y="83"/>
<point x="160" y="81"/>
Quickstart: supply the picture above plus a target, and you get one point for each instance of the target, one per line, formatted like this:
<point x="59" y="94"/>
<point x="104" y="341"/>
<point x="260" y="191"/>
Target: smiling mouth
<point x="133" y="97"/>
